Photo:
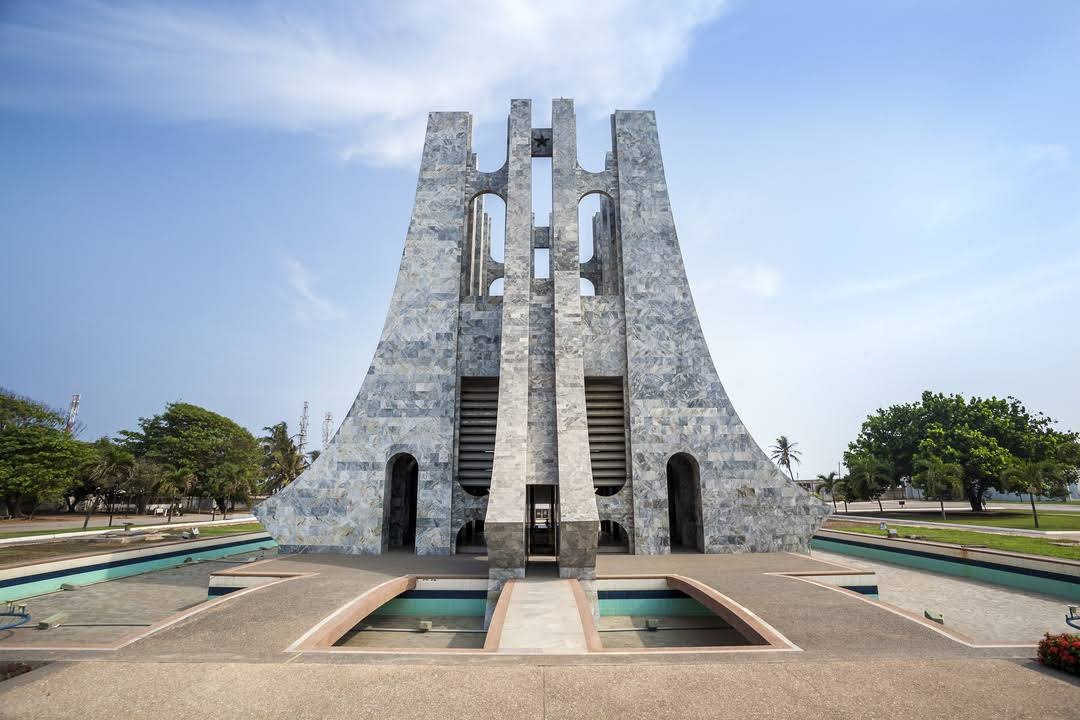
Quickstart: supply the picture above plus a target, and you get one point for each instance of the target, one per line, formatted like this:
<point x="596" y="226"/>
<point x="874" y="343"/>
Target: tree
<point x="220" y="459"/>
<point x="868" y="477"/>
<point x="20" y="411"/>
<point x="108" y="476"/>
<point x="1046" y="478"/>
<point x="829" y="483"/>
<point x="783" y="453"/>
<point x="842" y="488"/>
<point x="37" y="465"/>
<point x="983" y="435"/>
<point x="937" y="478"/>
<point x="147" y="479"/>
<point x="282" y="460"/>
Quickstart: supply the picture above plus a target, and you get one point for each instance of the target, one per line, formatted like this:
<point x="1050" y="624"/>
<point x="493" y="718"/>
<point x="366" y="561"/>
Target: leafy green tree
<point x="282" y="460"/>
<point x="37" y="465"/>
<point x="1047" y="478"/>
<point x="108" y="476"/>
<point x="215" y="456"/>
<point x="783" y="453"/>
<point x="868" y="477"/>
<point x="842" y="489"/>
<point x="983" y="435"/>
<point x="147" y="480"/>
<point x="829" y="483"/>
<point x="20" y="411"/>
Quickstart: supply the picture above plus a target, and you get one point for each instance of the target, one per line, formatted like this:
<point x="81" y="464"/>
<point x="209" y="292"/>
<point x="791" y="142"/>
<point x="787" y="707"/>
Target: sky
<point x="207" y="202"/>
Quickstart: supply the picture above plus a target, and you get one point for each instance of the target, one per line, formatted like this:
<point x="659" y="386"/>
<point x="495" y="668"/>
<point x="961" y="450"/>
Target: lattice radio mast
<point x="303" y="427"/>
<point x="73" y="412"/>
<point x="327" y="426"/>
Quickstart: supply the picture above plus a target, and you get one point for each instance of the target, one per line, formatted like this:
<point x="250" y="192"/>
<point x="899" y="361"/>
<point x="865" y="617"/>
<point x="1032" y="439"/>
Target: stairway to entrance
<point x="543" y="618"/>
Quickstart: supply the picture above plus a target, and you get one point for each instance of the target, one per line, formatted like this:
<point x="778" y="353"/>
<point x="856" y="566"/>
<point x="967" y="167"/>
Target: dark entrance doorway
<point x="400" y="520"/>
<point x="543" y="519"/>
<point x="684" y="504"/>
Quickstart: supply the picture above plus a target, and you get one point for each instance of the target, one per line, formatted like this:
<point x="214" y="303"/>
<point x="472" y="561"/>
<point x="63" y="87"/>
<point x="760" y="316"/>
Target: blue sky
<point x="208" y="201"/>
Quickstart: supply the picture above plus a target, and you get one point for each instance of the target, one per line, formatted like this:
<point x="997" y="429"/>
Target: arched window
<point x="496" y="288"/>
<point x="399" y="502"/>
<point x="588" y="215"/>
<point x="587" y="289"/>
<point x="684" y="504"/>
<point x="490" y="212"/>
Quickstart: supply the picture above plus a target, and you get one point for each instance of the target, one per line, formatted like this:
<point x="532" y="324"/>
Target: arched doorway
<point x="471" y="539"/>
<point x="684" y="504"/>
<point x="402" y="473"/>
<point x="612" y="538"/>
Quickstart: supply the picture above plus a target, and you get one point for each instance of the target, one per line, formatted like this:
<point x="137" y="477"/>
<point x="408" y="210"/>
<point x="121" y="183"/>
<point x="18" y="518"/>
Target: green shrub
<point x="1061" y="652"/>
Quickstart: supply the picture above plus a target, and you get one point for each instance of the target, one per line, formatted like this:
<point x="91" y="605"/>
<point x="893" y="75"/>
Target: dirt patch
<point x="11" y="668"/>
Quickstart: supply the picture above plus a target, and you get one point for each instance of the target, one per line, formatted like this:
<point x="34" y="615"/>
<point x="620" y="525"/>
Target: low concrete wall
<point x="31" y="579"/>
<point x="1052" y="576"/>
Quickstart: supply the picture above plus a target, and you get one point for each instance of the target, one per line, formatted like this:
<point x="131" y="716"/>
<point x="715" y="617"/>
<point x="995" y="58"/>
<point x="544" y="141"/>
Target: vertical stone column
<point x="677" y="403"/>
<point x="505" y="520"/>
<point x="407" y="402"/>
<point x="579" y="520"/>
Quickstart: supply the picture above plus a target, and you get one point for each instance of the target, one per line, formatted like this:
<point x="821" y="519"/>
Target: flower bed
<point x="1061" y="652"/>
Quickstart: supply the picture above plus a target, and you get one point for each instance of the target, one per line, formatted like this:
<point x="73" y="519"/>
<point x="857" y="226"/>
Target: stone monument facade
<point x="542" y="421"/>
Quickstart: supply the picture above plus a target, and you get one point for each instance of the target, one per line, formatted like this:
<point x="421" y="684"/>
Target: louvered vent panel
<point x="479" y="404"/>
<point x="606" y="414"/>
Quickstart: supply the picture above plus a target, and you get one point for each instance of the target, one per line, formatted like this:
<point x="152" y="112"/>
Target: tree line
<point x="951" y="447"/>
<point x="185" y="452"/>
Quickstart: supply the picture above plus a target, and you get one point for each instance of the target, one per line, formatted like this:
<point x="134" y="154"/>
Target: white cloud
<point x="1051" y="154"/>
<point x="758" y="279"/>
<point x="886" y="283"/>
<point x="308" y="305"/>
<point x="365" y="75"/>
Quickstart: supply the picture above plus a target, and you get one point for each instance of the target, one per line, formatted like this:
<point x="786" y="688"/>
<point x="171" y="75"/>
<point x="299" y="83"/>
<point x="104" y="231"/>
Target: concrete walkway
<point x="543" y="618"/>
<point x="984" y="612"/>
<point x="1045" y="534"/>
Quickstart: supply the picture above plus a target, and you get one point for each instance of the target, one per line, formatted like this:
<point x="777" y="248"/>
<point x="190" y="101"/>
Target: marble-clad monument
<point x="541" y="421"/>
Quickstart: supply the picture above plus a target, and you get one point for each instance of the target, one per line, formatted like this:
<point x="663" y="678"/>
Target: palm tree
<point x="869" y="477"/>
<point x="108" y="476"/>
<point x="1046" y="478"/>
<point x="937" y="478"/>
<point x="783" y="453"/>
<point x="282" y="460"/>
<point x="829" y="483"/>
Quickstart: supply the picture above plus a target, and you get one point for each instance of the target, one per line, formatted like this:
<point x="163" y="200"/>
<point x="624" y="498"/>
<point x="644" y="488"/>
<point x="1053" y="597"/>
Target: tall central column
<point x="505" y="519"/>
<point x="579" y="520"/>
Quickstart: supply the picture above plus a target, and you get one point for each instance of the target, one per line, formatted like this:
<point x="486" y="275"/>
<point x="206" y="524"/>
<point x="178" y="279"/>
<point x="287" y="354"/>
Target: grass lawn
<point x="229" y="529"/>
<point x="50" y="550"/>
<point x="1048" y="520"/>
<point x="1012" y="543"/>
<point x="178" y="525"/>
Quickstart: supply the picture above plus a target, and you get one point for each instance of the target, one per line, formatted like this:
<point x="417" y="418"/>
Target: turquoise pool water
<point x="659" y="603"/>
<point x="28" y="586"/>
<point x="431" y="603"/>
<point x="983" y="572"/>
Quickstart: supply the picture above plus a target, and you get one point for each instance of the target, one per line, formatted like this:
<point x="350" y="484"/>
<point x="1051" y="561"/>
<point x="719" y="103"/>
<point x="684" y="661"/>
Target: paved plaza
<point x="852" y="656"/>
<point x="984" y="612"/>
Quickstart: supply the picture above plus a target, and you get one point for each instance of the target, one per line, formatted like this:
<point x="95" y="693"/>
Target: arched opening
<point x="496" y="288"/>
<point x="399" y="527"/>
<point x="588" y="217"/>
<point x="471" y="539"/>
<point x="487" y="218"/>
<point x="684" y="504"/>
<point x="587" y="288"/>
<point x="612" y="538"/>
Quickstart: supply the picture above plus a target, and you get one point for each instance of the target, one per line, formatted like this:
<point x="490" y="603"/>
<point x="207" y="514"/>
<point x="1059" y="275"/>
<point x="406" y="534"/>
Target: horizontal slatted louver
<point x="605" y="411"/>
<point x="479" y="403"/>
